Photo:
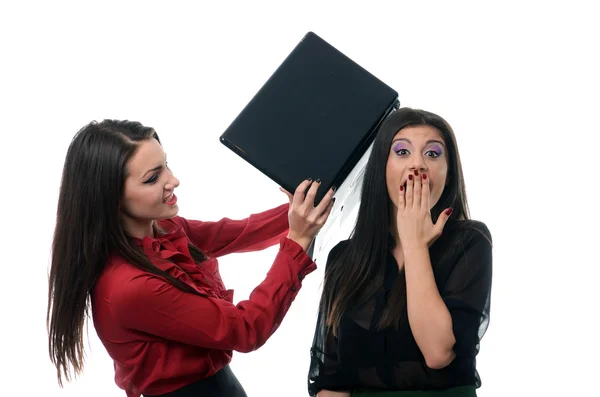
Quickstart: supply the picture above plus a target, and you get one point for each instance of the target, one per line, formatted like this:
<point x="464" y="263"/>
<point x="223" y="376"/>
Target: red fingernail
<point x="401" y="187"/>
<point x="410" y="177"/>
<point x="416" y="173"/>
<point x="424" y="176"/>
<point x="449" y="211"/>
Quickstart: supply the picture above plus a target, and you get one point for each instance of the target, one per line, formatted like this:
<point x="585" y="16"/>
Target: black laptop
<point x="314" y="118"/>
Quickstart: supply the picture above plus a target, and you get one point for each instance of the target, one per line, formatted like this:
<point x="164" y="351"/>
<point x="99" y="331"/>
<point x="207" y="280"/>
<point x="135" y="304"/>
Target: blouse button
<point x="300" y="276"/>
<point x="294" y="289"/>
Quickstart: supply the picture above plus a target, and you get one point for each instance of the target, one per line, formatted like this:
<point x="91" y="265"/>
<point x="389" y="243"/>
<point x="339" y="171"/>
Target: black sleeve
<point x="467" y="291"/>
<point x="325" y="372"/>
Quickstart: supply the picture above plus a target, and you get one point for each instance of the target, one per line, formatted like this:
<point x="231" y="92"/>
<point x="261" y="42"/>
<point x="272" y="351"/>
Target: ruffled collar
<point x="169" y="252"/>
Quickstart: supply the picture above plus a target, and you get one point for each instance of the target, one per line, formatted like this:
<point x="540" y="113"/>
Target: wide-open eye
<point x="433" y="153"/>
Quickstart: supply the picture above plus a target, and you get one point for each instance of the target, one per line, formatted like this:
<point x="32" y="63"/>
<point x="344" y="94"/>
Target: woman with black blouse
<point x="406" y="299"/>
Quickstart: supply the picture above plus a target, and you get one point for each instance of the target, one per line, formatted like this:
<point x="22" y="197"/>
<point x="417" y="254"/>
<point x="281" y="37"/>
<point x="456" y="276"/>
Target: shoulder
<point x="117" y="270"/>
<point x="334" y="254"/>
<point x="126" y="293"/>
<point x="470" y="232"/>
<point x="337" y="250"/>
<point x="463" y="239"/>
<point x="470" y="246"/>
<point x="118" y="280"/>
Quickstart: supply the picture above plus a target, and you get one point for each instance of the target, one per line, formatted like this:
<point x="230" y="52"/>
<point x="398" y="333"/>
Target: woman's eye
<point x="432" y="153"/>
<point x="402" y="152"/>
<point x="152" y="179"/>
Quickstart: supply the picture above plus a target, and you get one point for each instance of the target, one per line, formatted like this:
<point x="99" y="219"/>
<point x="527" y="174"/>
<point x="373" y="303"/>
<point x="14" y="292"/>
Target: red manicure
<point x="449" y="211"/>
<point x="410" y="177"/>
<point x="416" y="173"/>
<point x="401" y="187"/>
<point x="424" y="176"/>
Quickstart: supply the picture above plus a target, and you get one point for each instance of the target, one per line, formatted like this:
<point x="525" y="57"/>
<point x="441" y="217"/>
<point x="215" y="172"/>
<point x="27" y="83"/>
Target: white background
<point x="517" y="81"/>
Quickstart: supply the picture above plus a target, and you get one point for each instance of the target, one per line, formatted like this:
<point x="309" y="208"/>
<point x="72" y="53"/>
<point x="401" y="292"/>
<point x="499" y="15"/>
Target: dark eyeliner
<point x="152" y="179"/>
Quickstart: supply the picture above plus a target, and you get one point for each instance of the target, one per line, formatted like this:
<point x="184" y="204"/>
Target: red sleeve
<point x="151" y="305"/>
<point x="227" y="236"/>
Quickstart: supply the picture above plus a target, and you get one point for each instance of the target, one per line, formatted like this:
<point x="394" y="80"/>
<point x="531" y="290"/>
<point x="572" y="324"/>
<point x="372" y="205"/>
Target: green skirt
<point x="463" y="391"/>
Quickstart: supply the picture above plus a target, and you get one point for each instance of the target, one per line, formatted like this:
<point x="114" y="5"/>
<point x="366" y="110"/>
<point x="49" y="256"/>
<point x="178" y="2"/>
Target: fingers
<point x="312" y="192"/>
<point x="304" y="198"/>
<point x="306" y="219"/>
<point x="418" y="189"/>
<point x="442" y="219"/>
<point x="300" y="190"/>
<point x="321" y="211"/>
<point x="323" y="205"/>
<point x="288" y="194"/>
<point x="323" y="218"/>
<point x="410" y="187"/>
<point x="425" y="192"/>
<point x="401" y="198"/>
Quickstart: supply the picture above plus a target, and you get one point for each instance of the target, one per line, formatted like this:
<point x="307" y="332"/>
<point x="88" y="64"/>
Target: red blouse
<point x="161" y="338"/>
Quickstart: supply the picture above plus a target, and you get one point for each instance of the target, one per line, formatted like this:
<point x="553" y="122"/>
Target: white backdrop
<point x="518" y="82"/>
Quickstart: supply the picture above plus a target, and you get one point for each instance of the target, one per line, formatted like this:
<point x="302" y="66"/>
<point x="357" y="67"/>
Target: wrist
<point x="302" y="241"/>
<point x="413" y="247"/>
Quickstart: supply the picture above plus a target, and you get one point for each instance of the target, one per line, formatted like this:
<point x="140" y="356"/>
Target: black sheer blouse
<point x="389" y="359"/>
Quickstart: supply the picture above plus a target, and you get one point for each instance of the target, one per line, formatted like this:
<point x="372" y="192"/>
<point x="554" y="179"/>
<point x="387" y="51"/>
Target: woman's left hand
<point x="415" y="226"/>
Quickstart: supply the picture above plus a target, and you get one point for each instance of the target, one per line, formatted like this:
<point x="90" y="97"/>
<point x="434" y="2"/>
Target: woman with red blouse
<point x="151" y="278"/>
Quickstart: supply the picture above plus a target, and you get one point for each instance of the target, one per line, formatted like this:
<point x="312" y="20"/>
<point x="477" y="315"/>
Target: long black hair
<point x="88" y="230"/>
<point x="357" y="272"/>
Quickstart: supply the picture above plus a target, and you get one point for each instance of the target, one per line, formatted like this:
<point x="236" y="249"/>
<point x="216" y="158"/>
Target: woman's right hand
<point x="304" y="218"/>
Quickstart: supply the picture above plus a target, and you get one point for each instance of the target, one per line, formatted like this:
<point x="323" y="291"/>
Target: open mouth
<point x="169" y="198"/>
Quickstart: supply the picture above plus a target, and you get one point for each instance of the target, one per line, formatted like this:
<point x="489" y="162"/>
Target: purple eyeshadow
<point x="437" y="149"/>
<point x="399" y="146"/>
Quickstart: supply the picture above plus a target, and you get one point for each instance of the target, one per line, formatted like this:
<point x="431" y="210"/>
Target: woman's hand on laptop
<point x="304" y="218"/>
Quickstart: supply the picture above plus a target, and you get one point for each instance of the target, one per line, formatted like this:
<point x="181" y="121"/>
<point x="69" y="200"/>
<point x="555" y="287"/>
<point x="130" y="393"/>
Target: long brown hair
<point x="357" y="272"/>
<point x="88" y="230"/>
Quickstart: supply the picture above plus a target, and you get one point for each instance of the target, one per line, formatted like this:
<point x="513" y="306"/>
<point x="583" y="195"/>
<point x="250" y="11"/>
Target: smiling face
<point x="421" y="148"/>
<point x="149" y="190"/>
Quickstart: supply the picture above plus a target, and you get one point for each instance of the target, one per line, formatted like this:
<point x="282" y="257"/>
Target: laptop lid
<point x="313" y="118"/>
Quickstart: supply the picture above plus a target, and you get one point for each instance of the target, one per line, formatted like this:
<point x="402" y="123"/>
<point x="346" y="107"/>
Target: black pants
<point x="222" y="384"/>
